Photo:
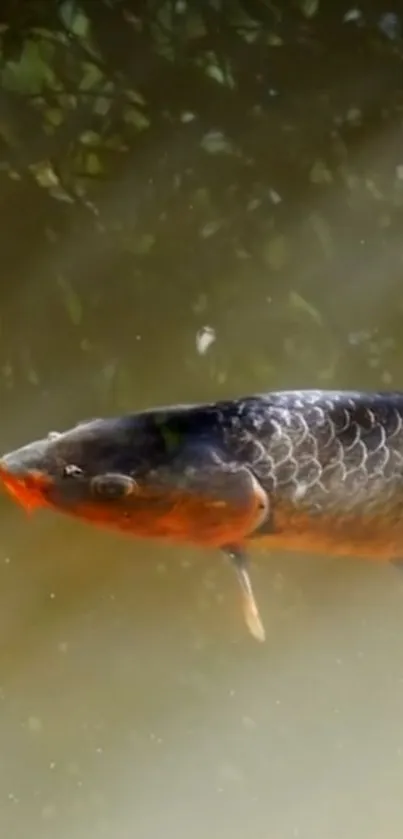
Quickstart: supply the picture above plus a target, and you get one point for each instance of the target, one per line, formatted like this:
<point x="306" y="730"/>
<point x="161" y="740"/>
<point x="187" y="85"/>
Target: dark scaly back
<point x="331" y="463"/>
<point x="332" y="452"/>
<point x="325" y="451"/>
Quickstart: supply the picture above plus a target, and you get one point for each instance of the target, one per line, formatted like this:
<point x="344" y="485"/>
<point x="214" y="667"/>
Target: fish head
<point x="88" y="471"/>
<point x="147" y="474"/>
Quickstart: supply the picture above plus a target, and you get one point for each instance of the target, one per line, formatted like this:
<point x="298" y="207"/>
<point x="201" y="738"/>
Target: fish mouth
<point x="22" y="477"/>
<point x="27" y="491"/>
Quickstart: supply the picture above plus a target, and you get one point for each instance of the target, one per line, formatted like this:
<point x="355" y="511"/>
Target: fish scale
<point x="325" y="450"/>
<point x="311" y="471"/>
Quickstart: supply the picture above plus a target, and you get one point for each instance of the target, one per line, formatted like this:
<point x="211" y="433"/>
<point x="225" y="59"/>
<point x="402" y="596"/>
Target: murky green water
<point x="132" y="701"/>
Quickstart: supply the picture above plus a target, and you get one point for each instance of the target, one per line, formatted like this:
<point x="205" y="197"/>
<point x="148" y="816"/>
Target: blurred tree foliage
<point x="198" y="107"/>
<point x="228" y="120"/>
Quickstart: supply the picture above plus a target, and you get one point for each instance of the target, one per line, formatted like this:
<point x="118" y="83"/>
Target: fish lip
<point x="16" y="490"/>
<point x="24" y="487"/>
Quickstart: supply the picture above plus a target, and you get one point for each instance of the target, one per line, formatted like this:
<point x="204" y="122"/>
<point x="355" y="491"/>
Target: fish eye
<point x="113" y="485"/>
<point x="72" y="471"/>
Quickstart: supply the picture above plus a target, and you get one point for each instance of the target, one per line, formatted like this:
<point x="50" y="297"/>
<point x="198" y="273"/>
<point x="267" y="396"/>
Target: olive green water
<point x="132" y="700"/>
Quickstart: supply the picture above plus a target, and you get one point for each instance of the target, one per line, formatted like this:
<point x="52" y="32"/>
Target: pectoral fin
<point x="250" y="607"/>
<point x="223" y="504"/>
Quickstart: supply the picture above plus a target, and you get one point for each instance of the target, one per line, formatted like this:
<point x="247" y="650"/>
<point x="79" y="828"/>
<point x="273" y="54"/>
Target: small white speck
<point x="211" y="228"/>
<point x="275" y="197"/>
<point x="254" y="203"/>
<point x="215" y="142"/>
<point x="352" y="15"/>
<point x="205" y="337"/>
<point x="187" y="116"/>
<point x="52" y="595"/>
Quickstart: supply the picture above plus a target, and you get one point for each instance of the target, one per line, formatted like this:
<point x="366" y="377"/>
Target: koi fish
<point x="311" y="471"/>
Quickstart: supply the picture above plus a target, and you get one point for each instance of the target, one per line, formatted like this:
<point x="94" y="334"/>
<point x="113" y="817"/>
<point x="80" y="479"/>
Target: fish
<point x="311" y="471"/>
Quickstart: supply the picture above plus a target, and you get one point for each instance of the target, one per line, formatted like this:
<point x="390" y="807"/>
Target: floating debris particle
<point x="205" y="337"/>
